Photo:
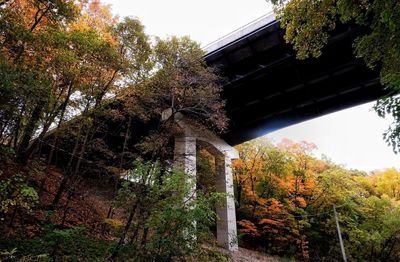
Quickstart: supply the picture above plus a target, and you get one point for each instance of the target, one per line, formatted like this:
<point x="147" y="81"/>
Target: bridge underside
<point x="267" y="88"/>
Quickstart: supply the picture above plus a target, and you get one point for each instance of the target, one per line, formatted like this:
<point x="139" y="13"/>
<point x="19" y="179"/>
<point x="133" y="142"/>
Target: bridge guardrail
<point x="240" y="32"/>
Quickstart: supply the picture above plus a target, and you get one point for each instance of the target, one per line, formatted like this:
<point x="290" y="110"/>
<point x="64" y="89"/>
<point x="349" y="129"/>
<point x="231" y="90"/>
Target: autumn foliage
<point x="81" y="98"/>
<point x="82" y="92"/>
<point x="284" y="203"/>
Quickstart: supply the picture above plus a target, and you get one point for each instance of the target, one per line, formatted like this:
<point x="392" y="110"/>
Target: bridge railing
<point x="240" y="32"/>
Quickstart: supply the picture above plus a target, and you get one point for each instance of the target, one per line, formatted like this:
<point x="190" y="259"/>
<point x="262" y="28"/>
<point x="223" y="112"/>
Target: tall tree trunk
<point x="17" y="126"/>
<point x="22" y="155"/>
<point x="102" y="93"/>
<point x="125" y="232"/>
<point x="126" y="139"/>
<point x="81" y="153"/>
<point x="50" y="120"/>
<point x="68" y="173"/>
<point x="239" y="192"/>
<point x="4" y="125"/>
<point x="63" y="109"/>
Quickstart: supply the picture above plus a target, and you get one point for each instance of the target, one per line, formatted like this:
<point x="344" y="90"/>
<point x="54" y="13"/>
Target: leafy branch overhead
<point x="182" y="83"/>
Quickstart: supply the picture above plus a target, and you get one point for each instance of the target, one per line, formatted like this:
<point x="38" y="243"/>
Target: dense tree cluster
<point x="83" y="90"/>
<point x="285" y="196"/>
<point x="63" y="58"/>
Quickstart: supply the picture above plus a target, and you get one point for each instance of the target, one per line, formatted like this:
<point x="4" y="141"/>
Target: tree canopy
<point x="284" y="204"/>
<point x="62" y="59"/>
<point x="83" y="90"/>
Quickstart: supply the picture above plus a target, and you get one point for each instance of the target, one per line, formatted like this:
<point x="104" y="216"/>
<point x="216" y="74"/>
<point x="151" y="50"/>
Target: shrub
<point x="165" y="216"/>
<point x="54" y="244"/>
<point x="15" y="193"/>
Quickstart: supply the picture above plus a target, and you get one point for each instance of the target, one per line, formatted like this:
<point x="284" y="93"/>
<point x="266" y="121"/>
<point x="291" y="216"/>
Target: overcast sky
<point x="351" y="137"/>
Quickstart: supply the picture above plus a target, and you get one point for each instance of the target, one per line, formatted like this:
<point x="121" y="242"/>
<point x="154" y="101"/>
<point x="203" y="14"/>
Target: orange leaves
<point x="248" y="227"/>
<point x="35" y="15"/>
<point x="97" y="16"/>
<point x="252" y="196"/>
<point x="268" y="221"/>
<point x="287" y="196"/>
<point x="238" y="164"/>
<point x="268" y="216"/>
<point x="301" y="202"/>
<point x="275" y="184"/>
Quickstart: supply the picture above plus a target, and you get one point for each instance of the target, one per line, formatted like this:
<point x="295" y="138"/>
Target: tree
<point x="271" y="195"/>
<point x="376" y="231"/>
<point x="387" y="183"/>
<point x="285" y="198"/>
<point x="160" y="222"/>
<point x="115" y="52"/>
<point x="183" y="83"/>
<point x="308" y="23"/>
<point x="24" y="28"/>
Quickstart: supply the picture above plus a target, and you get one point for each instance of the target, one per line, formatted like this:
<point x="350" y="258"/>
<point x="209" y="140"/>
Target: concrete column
<point x="226" y="223"/>
<point x="185" y="159"/>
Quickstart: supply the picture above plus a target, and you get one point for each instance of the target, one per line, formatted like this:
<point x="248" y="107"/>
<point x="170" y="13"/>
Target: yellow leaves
<point x="114" y="223"/>
<point x="280" y="210"/>
<point x="97" y="16"/>
<point x="35" y="15"/>
<point x="307" y="24"/>
<point x="275" y="181"/>
<point x="387" y="182"/>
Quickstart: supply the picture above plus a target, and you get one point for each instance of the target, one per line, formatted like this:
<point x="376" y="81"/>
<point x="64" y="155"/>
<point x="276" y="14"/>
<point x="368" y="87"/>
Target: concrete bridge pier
<point x="226" y="223"/>
<point x="185" y="158"/>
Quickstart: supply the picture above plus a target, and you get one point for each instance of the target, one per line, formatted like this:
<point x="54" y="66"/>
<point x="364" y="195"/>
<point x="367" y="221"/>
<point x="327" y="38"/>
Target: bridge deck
<point x="267" y="88"/>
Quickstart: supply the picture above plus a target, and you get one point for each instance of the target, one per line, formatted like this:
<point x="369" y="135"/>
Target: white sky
<point x="203" y="20"/>
<point x="351" y="137"/>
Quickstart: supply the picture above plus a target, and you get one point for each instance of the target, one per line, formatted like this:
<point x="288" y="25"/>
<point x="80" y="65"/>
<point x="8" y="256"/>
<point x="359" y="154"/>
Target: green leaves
<point x="15" y="193"/>
<point x="376" y="226"/>
<point x="162" y="203"/>
<point x="307" y="24"/>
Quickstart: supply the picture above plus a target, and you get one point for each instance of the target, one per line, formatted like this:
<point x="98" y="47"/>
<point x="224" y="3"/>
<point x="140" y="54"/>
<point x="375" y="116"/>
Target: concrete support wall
<point x="185" y="159"/>
<point x="226" y="223"/>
